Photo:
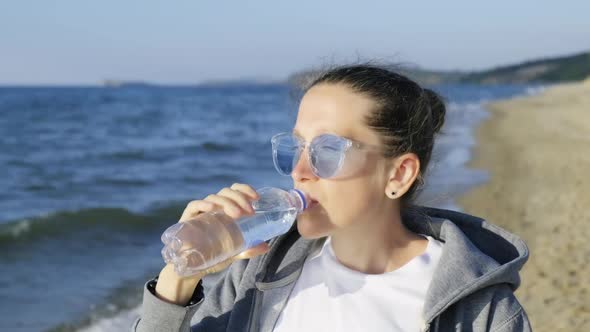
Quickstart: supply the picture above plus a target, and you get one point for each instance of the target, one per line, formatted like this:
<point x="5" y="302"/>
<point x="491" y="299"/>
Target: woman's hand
<point x="236" y="203"/>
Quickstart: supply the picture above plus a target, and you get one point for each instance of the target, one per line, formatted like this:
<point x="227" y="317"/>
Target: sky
<point x="67" y="42"/>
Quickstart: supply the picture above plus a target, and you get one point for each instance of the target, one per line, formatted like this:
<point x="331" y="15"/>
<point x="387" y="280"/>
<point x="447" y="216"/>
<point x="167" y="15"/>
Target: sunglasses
<point x="330" y="156"/>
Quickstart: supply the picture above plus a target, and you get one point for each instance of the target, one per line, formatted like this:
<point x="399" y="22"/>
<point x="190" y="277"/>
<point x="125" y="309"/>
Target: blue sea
<point x="91" y="177"/>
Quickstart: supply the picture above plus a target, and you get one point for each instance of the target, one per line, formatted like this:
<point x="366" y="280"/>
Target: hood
<point x="476" y="254"/>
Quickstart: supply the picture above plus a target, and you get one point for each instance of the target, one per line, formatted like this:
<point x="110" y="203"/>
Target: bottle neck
<point x="299" y="198"/>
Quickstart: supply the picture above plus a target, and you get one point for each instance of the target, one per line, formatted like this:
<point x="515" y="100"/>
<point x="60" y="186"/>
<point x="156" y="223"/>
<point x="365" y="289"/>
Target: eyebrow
<point x="296" y="132"/>
<point x="321" y="130"/>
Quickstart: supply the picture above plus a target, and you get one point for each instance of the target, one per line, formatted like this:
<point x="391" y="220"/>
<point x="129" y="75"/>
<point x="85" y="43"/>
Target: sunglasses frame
<point x="305" y="145"/>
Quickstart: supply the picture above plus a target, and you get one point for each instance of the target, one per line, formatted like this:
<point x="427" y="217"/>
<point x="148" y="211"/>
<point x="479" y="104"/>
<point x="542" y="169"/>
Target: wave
<point x="116" y="312"/>
<point x="60" y="224"/>
<point x="218" y="147"/>
<point x="120" y="308"/>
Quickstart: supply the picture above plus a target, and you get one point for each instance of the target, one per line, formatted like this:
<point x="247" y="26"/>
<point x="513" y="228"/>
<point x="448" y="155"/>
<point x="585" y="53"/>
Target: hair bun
<point x="437" y="109"/>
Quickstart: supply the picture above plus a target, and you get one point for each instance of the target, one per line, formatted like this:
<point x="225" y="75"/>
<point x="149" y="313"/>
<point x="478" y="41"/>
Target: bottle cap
<point x="303" y="198"/>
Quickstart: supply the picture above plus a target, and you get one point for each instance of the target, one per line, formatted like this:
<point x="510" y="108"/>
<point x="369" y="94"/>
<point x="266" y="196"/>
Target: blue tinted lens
<point x="327" y="155"/>
<point x="286" y="153"/>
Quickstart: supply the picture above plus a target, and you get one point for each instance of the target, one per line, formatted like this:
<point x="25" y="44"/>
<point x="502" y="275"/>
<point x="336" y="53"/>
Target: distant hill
<point x="560" y="69"/>
<point x="423" y="76"/>
<point x="548" y="70"/>
<point x="430" y="77"/>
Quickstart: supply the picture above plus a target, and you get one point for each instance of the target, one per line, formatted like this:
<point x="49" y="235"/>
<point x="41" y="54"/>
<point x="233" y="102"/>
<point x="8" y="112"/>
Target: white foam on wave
<point x="123" y="320"/>
<point x="535" y="90"/>
<point x="120" y="322"/>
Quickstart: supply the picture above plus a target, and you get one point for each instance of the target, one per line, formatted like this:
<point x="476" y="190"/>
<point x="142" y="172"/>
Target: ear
<point x="404" y="171"/>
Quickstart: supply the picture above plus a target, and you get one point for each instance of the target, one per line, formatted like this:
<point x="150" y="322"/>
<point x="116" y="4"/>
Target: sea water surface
<point x="92" y="176"/>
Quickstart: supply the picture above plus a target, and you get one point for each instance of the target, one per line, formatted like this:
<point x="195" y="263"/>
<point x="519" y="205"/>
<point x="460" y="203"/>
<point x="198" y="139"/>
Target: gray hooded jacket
<point x="472" y="288"/>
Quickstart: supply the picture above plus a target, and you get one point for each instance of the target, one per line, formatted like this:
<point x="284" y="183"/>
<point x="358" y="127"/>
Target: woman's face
<point x="337" y="109"/>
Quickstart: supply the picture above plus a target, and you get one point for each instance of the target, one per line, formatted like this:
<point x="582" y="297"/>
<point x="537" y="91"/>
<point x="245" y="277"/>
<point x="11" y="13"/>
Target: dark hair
<point x="407" y="116"/>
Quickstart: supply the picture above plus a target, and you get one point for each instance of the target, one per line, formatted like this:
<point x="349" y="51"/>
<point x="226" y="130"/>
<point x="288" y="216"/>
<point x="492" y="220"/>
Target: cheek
<point x="343" y="205"/>
<point x="344" y="202"/>
<point x="350" y="203"/>
<point x="357" y="198"/>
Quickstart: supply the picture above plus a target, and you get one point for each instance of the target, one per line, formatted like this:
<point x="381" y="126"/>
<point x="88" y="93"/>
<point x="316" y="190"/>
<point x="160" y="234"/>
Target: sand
<point x="537" y="150"/>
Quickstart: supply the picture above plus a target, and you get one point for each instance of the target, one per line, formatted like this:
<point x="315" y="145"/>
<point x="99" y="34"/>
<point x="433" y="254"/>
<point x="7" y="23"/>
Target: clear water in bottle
<point x="211" y="238"/>
<point x="264" y="225"/>
<point x="200" y="243"/>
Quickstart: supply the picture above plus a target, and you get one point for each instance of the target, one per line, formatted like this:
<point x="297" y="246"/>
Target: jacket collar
<point x="283" y="263"/>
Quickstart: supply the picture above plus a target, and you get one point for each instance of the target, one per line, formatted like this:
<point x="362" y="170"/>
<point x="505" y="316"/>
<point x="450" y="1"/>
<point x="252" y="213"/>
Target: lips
<point x="312" y="203"/>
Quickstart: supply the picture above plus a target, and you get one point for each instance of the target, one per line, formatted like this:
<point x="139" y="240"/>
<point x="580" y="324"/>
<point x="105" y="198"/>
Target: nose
<point x="302" y="171"/>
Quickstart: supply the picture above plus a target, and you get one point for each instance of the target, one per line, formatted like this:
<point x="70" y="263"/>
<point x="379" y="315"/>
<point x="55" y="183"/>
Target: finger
<point x="246" y="189"/>
<point x="230" y="207"/>
<point x="194" y="208"/>
<point x="242" y="199"/>
<point x="254" y="251"/>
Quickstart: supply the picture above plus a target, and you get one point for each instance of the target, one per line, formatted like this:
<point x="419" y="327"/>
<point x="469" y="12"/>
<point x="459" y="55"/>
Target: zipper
<point x="253" y="319"/>
<point x="260" y="287"/>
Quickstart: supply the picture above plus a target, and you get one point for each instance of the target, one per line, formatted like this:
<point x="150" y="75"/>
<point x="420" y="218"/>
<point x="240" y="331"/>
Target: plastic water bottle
<point x="213" y="237"/>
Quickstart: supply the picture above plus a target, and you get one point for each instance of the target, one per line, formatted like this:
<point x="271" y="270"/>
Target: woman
<point x="362" y="257"/>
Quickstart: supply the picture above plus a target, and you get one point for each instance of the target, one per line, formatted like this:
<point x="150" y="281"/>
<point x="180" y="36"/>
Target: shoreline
<point x="537" y="152"/>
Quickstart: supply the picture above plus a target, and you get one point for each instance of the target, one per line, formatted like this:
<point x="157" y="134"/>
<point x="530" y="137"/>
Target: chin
<point x="312" y="228"/>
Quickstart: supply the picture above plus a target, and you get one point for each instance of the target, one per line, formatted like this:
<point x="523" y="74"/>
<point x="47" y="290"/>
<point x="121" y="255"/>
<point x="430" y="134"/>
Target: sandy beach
<point x="537" y="150"/>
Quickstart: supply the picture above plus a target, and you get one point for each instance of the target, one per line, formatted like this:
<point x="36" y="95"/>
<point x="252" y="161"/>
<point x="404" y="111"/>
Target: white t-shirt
<point x="329" y="296"/>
